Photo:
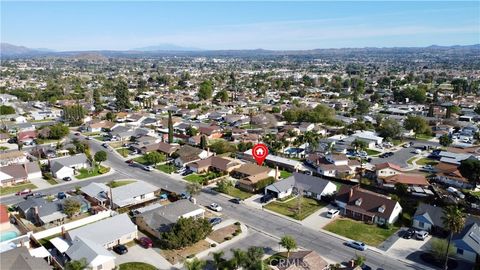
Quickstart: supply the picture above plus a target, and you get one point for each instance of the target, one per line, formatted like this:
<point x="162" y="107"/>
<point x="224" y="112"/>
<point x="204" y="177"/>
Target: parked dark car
<point x="105" y="145"/>
<point x="215" y="221"/>
<point x="35" y="195"/>
<point x="130" y="161"/>
<point x="120" y="249"/>
<point x="24" y="192"/>
<point x="146" y="242"/>
<point x="61" y="195"/>
<point x="236" y="200"/>
<point x="409" y="233"/>
<point x="266" y="198"/>
<point x="67" y="179"/>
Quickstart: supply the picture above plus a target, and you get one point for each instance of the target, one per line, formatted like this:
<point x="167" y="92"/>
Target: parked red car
<point x="24" y="192"/>
<point x="146" y="242"/>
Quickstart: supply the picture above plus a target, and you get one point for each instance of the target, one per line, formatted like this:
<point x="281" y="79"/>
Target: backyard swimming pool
<point x="8" y="235"/>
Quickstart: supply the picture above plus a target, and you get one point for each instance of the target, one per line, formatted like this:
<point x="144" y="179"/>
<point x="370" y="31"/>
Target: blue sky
<point x="120" y="25"/>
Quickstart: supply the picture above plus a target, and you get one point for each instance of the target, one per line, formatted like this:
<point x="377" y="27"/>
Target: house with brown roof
<point x="187" y="154"/>
<point x="99" y="125"/>
<point x="212" y="132"/>
<point x="26" y="136"/>
<point x="19" y="173"/>
<point x="333" y="165"/>
<point x="302" y="260"/>
<point x="409" y="179"/>
<point x="4" y="218"/>
<point x="368" y="206"/>
<point x="250" y="174"/>
<point x="449" y="174"/>
<point x="166" y="148"/>
<point x="387" y="169"/>
<point x="12" y="157"/>
<point x="4" y="137"/>
<point x="219" y="164"/>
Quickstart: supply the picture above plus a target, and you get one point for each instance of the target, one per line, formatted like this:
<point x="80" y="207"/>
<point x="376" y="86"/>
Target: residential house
<point x="19" y="173"/>
<point x="277" y="161"/>
<point x="41" y="211"/>
<point x="368" y="137"/>
<point x="212" y="132"/>
<point x="428" y="218"/>
<point x="12" y="157"/>
<point x="26" y="137"/>
<point x="467" y="242"/>
<point x="310" y="186"/>
<point x="304" y="127"/>
<point x="99" y="125"/>
<point x="67" y="166"/>
<point x="96" y="256"/>
<point x="123" y="196"/>
<point x="20" y="258"/>
<point x="387" y="169"/>
<point x="219" y="164"/>
<point x="4" y="137"/>
<point x="449" y="174"/>
<point x="158" y="218"/>
<point x="107" y="232"/>
<point x="250" y="174"/>
<point x="333" y="165"/>
<point x="187" y="154"/>
<point x="368" y="206"/>
<point x="145" y="144"/>
<point x="166" y="148"/>
<point x="411" y="180"/>
<point x="5" y="224"/>
<point x="135" y="119"/>
<point x="302" y="260"/>
<point x="195" y="140"/>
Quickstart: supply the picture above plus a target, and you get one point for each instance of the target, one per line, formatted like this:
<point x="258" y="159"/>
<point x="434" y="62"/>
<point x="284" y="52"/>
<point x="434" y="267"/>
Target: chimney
<point x="63" y="231"/>
<point x="276" y="173"/>
<point x="208" y="151"/>
<point x="351" y="263"/>
<point x="350" y="195"/>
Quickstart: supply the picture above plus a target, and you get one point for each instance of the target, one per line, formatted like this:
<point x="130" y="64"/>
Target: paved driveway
<point x="140" y="254"/>
<point x="402" y="248"/>
<point x="399" y="157"/>
<point x="319" y="219"/>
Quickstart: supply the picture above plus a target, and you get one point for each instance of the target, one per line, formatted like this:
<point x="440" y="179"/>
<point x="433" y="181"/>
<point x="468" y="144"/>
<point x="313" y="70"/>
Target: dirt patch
<point x="220" y="235"/>
<point x="177" y="255"/>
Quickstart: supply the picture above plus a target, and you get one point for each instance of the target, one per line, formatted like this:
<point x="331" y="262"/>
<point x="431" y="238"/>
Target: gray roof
<point x="69" y="161"/>
<point x="432" y="214"/>
<point x="124" y="195"/>
<point x="85" y="248"/>
<point x="20" y="258"/>
<point x="469" y="238"/>
<point x="48" y="211"/>
<point x="105" y="231"/>
<point x="299" y="180"/>
<point x="96" y="190"/>
<point x="163" y="217"/>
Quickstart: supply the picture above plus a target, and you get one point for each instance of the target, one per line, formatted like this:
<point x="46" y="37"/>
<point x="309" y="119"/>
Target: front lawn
<point x="100" y="138"/>
<point x="166" y="168"/>
<point x="285" y="174"/>
<point x="410" y="160"/>
<point x="372" y="152"/>
<point x="201" y="178"/>
<point x="123" y="152"/>
<point x="141" y="160"/>
<point x="115" y="184"/>
<point x="136" y="266"/>
<point x="237" y="193"/>
<point x="427" y="161"/>
<point x="87" y="173"/>
<point x="289" y="208"/>
<point x="424" y="137"/>
<point x="16" y="188"/>
<point x="372" y="235"/>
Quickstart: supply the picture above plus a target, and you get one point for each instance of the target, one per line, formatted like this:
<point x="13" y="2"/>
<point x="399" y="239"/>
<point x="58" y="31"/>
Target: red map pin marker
<point x="260" y="152"/>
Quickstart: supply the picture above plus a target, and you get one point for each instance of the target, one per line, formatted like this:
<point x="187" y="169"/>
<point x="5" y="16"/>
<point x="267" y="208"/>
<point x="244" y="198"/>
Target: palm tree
<point x="194" y="264"/>
<point x="218" y="259"/>
<point x="312" y="139"/>
<point x="238" y="259"/>
<point x="453" y="220"/>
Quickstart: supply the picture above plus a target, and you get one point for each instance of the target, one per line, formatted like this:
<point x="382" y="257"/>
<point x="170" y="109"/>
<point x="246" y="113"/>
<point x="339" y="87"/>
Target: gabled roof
<point x="407" y="179"/>
<point x="429" y="214"/>
<point x="252" y="169"/>
<point x="94" y="253"/>
<point x="388" y="165"/>
<point x="301" y="181"/>
<point x="187" y="150"/>
<point x="161" y="217"/>
<point x="469" y="238"/>
<point x="71" y="160"/>
<point x="304" y="260"/>
<point x="20" y="258"/>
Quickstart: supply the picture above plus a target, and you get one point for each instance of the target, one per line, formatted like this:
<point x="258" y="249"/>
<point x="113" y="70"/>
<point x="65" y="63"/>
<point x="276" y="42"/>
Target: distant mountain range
<point x="13" y="51"/>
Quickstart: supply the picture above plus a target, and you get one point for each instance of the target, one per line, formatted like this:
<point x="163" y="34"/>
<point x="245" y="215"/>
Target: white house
<point x="67" y="166"/>
<point x="369" y="137"/>
<point x="311" y="186"/>
<point x="126" y="195"/>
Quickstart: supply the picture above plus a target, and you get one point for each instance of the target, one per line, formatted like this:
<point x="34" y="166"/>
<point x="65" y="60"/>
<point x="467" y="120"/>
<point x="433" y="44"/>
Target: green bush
<point x="213" y="245"/>
<point x="234" y="234"/>
<point x="228" y="238"/>
<point x="237" y="223"/>
<point x="103" y="170"/>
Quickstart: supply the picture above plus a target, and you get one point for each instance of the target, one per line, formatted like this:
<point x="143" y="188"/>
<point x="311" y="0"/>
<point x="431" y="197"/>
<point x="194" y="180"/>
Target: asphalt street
<point x="264" y="222"/>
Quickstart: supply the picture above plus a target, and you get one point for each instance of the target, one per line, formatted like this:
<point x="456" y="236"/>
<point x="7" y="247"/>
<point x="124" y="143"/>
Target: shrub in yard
<point x="213" y="245"/>
<point x="237" y="223"/>
<point x="103" y="170"/>
<point x="234" y="233"/>
<point x="238" y="231"/>
<point x="185" y="232"/>
<point x="190" y="256"/>
<point x="228" y="238"/>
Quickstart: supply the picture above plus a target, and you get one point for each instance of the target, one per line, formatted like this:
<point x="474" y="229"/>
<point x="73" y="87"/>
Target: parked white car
<point x="215" y="207"/>
<point x="332" y="213"/>
<point x="148" y="168"/>
<point x="421" y="235"/>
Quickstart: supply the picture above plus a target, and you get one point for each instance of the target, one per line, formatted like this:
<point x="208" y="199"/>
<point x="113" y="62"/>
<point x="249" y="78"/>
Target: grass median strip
<point x="291" y="208"/>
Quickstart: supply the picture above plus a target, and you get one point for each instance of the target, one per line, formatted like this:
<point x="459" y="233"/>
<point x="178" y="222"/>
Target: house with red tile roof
<point x="4" y="218"/>
<point x="387" y="169"/>
<point x="409" y="179"/>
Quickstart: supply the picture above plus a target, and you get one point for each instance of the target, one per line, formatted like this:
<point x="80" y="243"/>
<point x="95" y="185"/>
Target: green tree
<point x="440" y="248"/>
<point x="218" y="259"/>
<point x="363" y="106"/>
<point x="238" y="259"/>
<point x="186" y="232"/>
<point x="253" y="258"/>
<point x="76" y="264"/>
<point x="445" y="140"/>
<point x="289" y="243"/>
<point x="222" y="147"/>
<point x="58" y="131"/>
<point x="71" y="207"/>
<point x="206" y="90"/>
<point x="193" y="188"/>
<point x="470" y="169"/>
<point x="222" y="96"/>
<point x="191" y="131"/>
<point x="389" y="128"/>
<point x="97" y="102"/>
<point x="4" y="110"/>
<point x="359" y="144"/>
<point x="74" y="114"/>
<point x="170" y="127"/>
<point x="418" y="124"/>
<point x="154" y="157"/>
<point x="122" y="96"/>
<point x="194" y="264"/>
<point x="110" y="116"/>
<point x="100" y="156"/>
<point x="453" y="221"/>
<point x="203" y="142"/>
<point x="359" y="260"/>
<point x="401" y="189"/>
